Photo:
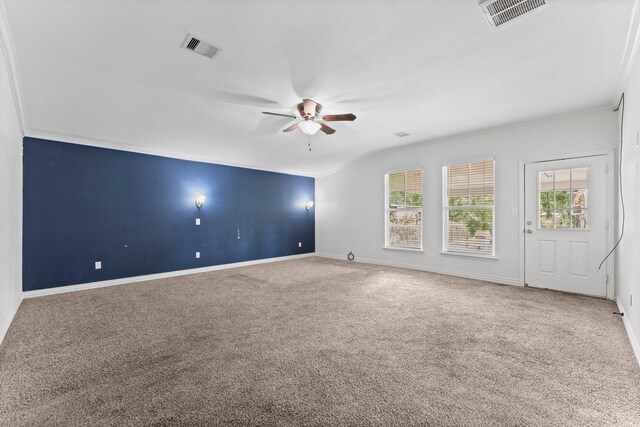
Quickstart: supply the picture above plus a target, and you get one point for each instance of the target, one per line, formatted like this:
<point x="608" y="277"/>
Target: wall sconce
<point x="200" y="201"/>
<point x="309" y="204"/>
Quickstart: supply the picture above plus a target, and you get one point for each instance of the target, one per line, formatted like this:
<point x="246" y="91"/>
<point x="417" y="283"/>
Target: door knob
<point x="529" y="231"/>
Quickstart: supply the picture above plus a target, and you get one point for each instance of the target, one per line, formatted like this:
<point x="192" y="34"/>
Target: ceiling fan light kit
<point x="309" y="127"/>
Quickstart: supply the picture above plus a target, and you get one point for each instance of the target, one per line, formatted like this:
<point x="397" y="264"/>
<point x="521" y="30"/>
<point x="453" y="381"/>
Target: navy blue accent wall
<point x="136" y="214"/>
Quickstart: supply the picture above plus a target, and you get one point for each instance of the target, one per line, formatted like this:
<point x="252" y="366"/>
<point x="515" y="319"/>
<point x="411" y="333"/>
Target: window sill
<point x="390" y="248"/>
<point x="461" y="254"/>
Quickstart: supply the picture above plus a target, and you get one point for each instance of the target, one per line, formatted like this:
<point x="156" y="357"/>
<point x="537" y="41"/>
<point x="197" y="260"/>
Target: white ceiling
<point x="114" y="71"/>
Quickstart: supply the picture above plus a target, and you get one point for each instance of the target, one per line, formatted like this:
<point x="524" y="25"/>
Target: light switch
<point x="197" y="221"/>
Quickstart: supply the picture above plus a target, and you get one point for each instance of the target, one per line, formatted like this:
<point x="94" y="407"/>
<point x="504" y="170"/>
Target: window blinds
<point x="470" y="183"/>
<point x="469" y="201"/>
<point x="405" y="189"/>
<point x="404" y="210"/>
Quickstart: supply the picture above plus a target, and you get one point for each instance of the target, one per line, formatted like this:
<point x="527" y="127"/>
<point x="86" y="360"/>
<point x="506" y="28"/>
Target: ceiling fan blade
<point x="278" y="114"/>
<point x="292" y="127"/>
<point x="339" y="117"/>
<point x="326" y="129"/>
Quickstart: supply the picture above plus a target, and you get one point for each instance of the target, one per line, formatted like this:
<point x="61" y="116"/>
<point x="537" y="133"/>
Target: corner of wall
<point x="631" y="48"/>
<point x="11" y="134"/>
<point x="626" y="257"/>
<point x="7" y="318"/>
<point x="633" y="339"/>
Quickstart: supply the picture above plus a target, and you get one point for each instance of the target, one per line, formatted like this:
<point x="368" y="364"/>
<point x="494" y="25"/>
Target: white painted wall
<point x="350" y="202"/>
<point x="628" y="255"/>
<point x="10" y="201"/>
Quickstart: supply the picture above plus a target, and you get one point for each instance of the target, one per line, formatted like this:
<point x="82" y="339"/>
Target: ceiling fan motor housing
<point x="309" y="109"/>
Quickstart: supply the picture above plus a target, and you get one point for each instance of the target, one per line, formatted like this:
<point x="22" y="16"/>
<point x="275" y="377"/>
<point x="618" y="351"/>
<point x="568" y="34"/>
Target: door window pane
<point x="579" y="178"/>
<point x="579" y="219"/>
<point x="563" y="199"/>
<point x="562" y="179"/>
<point x="579" y="198"/>
<point x="562" y="218"/>
<point x="546" y="181"/>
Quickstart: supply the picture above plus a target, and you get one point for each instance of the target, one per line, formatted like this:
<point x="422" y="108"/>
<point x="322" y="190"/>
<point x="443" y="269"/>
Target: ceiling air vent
<point x="203" y="48"/>
<point x="499" y="12"/>
<point x="401" y="134"/>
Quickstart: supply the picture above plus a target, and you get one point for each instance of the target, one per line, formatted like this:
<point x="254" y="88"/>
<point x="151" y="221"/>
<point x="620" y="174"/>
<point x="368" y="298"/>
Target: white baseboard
<point x="495" y="279"/>
<point x="6" y="320"/>
<point x="123" y="281"/>
<point x="635" y="344"/>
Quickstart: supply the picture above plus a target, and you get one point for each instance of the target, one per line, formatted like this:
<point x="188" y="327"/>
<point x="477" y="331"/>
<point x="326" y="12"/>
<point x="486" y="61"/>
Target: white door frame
<point x="610" y="209"/>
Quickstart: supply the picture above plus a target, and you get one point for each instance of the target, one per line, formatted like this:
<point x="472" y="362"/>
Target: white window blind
<point x="404" y="210"/>
<point x="469" y="207"/>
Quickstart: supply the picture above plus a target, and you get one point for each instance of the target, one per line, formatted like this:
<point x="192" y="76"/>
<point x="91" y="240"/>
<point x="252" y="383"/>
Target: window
<point x="404" y="210"/>
<point x="563" y="199"/>
<point x="468" y="208"/>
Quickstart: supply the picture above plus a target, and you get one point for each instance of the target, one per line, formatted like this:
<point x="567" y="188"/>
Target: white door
<point x="565" y="225"/>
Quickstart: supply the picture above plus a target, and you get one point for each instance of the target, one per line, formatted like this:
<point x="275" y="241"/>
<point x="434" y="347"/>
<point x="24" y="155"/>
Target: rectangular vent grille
<point x="203" y="48"/>
<point x="499" y="12"/>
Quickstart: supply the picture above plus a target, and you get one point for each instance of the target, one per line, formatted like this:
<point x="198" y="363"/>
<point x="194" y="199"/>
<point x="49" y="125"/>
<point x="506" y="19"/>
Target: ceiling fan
<point x="311" y="122"/>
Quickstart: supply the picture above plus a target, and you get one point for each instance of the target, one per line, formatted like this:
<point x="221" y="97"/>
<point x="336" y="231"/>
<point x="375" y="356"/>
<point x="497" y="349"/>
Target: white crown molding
<point x="7" y="46"/>
<point x="71" y="138"/>
<point x="127" y="280"/>
<point x="631" y="47"/>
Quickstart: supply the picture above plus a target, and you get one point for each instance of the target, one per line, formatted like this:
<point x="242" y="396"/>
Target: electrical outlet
<point x="299" y="244"/>
<point x="98" y="265"/>
<point x="197" y="254"/>
<point x="197" y="221"/>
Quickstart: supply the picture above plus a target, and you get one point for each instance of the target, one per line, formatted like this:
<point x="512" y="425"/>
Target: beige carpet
<point x="317" y="342"/>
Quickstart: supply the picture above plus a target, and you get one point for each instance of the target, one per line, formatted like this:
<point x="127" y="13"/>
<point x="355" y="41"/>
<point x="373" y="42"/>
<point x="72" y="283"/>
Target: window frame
<point x="387" y="211"/>
<point x="446" y="209"/>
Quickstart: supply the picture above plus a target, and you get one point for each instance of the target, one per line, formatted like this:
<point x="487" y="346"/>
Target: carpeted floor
<point x="317" y="342"/>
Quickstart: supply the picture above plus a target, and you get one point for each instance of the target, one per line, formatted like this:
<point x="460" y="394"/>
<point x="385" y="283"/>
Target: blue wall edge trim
<point x="149" y="277"/>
